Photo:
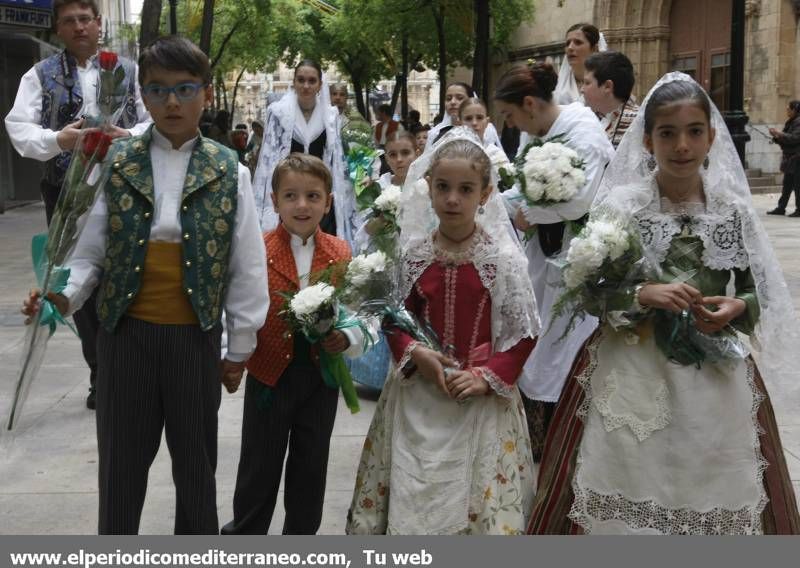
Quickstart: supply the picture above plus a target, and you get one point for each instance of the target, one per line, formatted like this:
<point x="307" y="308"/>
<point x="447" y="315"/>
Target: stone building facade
<point x="693" y="35"/>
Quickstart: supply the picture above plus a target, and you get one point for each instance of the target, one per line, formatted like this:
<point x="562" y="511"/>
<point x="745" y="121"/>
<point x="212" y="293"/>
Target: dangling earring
<point x="651" y="163"/>
<point x="481" y="210"/>
<point x="705" y="163"/>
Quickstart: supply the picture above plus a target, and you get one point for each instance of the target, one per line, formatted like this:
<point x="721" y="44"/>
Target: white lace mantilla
<point x="723" y="247"/>
<point x="513" y="313"/>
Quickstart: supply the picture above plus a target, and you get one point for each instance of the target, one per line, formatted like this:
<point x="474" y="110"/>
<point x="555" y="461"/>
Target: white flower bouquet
<point x="315" y="311"/>
<point x="601" y="267"/>
<point x="549" y="172"/>
<point x="382" y="220"/>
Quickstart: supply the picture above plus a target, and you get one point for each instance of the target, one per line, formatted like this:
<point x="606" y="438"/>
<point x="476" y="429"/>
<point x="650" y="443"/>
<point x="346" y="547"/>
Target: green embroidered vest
<point x="207" y="215"/>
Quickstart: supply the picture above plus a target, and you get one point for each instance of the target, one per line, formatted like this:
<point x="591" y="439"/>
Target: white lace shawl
<point x="279" y="128"/>
<point x="513" y="313"/>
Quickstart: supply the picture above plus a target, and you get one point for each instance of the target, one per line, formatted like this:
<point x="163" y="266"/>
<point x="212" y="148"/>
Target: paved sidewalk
<point x="48" y="473"/>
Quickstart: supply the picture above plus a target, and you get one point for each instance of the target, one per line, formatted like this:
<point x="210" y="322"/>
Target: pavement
<point x="48" y="469"/>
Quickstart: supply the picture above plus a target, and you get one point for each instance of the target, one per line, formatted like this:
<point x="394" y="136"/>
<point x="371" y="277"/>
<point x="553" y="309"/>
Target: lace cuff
<point x="495" y="383"/>
<point x="405" y="365"/>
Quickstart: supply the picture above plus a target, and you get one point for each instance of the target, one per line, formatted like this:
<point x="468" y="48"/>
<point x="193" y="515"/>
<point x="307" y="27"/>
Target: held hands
<point x="375" y="225"/>
<point x="335" y="342"/>
<point x="674" y="297"/>
<point x="713" y="321"/>
<point x="464" y="384"/>
<point x="232" y="374"/>
<point x="431" y="364"/>
<point x="678" y="297"/>
<point x="520" y="222"/>
<point x="30" y="307"/>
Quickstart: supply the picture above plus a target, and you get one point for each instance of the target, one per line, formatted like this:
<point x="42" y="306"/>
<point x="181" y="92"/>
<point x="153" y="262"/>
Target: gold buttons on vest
<point x="130" y="295"/>
<point x="222" y="168"/>
<point x="147" y="215"/>
<point x="189" y="291"/>
<point x="185" y="208"/>
<point x="185" y="236"/>
<point x="141" y="242"/>
<point x="116" y="165"/>
<point x="288" y="357"/>
<point x="188" y="264"/>
<point x="288" y="335"/>
<point x="137" y="268"/>
<point x="330" y="261"/>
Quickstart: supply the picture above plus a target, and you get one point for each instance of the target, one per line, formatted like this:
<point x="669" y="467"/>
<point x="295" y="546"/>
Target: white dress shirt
<point x="23" y="123"/>
<point x="246" y="298"/>
<point x="303" y="255"/>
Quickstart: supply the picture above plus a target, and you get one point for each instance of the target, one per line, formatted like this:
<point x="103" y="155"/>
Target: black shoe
<point x="776" y="211"/>
<point x="795" y="214"/>
<point x="91" y="400"/>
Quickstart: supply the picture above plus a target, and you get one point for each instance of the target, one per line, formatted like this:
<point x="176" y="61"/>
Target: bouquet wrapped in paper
<point x="604" y="264"/>
<point x="363" y="163"/>
<point x="83" y="180"/>
<point x="317" y="310"/>
<point x="374" y="293"/>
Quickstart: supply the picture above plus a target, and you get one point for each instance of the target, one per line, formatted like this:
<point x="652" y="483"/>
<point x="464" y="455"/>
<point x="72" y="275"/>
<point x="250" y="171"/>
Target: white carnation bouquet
<point x="603" y="264"/>
<point x="549" y="172"/>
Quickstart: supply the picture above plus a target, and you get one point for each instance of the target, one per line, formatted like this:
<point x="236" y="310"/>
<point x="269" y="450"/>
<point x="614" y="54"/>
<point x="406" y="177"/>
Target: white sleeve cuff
<point x="50" y="140"/>
<point x="241" y="344"/>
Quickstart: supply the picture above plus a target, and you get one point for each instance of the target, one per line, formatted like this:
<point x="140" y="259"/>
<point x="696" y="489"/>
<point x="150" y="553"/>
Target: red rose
<point x="108" y="60"/>
<point x="96" y="143"/>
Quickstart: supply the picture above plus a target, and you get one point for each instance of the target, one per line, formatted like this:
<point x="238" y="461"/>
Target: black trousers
<point x="86" y="318"/>
<point x="152" y="378"/>
<point x="791" y="184"/>
<point x="299" y="413"/>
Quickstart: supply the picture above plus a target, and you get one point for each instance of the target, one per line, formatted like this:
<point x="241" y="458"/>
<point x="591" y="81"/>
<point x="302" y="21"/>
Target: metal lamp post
<point x="735" y="117"/>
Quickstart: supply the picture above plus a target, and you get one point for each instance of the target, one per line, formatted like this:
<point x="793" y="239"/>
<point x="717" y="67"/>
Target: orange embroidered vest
<point x="275" y="347"/>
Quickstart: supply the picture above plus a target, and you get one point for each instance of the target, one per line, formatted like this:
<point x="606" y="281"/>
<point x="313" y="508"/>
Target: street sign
<point x="29" y="13"/>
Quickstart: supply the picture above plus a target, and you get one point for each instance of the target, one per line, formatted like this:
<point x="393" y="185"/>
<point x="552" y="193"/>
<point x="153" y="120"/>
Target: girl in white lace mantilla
<point x="304" y="121"/>
<point x="447" y="451"/>
<point x="662" y="441"/>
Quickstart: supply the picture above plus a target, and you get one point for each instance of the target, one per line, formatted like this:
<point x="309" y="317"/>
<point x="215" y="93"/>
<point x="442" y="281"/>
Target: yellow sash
<point x="161" y="298"/>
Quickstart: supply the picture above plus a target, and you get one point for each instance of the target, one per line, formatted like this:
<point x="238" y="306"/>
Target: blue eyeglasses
<point x="184" y="92"/>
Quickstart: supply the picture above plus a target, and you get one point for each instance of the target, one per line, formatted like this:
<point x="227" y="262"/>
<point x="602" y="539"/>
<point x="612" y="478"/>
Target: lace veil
<point x="279" y="128"/>
<point x="497" y="255"/>
<point x="567" y="89"/>
<point x="628" y="187"/>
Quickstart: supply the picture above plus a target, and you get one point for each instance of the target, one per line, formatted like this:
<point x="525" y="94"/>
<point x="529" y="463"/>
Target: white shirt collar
<point x="297" y="242"/>
<point x="162" y="142"/>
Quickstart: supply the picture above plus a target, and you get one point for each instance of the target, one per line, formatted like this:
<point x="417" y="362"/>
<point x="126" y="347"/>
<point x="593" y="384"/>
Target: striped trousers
<point x="298" y="414"/>
<point x="154" y="378"/>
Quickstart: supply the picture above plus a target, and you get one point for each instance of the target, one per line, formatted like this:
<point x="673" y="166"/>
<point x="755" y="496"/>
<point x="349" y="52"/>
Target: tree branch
<point x="225" y="41"/>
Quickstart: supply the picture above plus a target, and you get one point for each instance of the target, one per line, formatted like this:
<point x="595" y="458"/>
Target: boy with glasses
<point x="174" y="240"/>
<point x="47" y="115"/>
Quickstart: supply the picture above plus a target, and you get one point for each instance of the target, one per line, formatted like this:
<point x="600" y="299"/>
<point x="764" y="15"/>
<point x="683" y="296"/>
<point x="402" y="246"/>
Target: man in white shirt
<point x="44" y="124"/>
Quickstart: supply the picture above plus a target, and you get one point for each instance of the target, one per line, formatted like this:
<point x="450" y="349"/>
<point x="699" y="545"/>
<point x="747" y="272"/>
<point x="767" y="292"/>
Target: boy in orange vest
<point x="286" y="400"/>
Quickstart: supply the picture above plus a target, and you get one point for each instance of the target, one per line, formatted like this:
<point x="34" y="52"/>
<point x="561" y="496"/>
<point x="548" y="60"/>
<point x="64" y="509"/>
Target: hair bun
<point x="545" y="76"/>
